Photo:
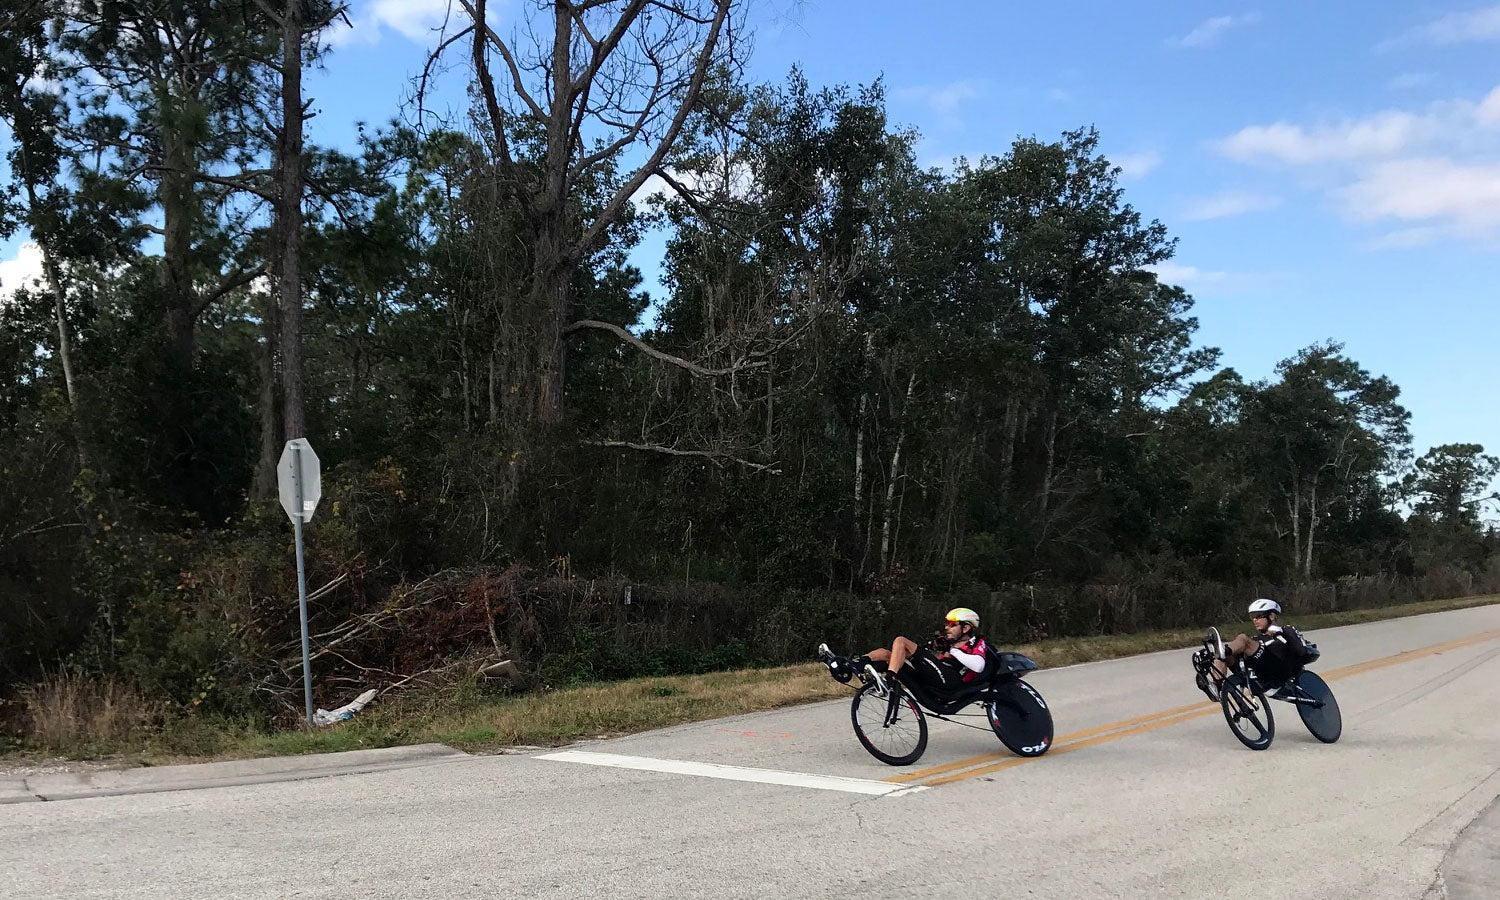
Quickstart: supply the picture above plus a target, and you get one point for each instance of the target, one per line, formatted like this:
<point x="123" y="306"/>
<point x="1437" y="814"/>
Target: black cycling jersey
<point x="1278" y="656"/>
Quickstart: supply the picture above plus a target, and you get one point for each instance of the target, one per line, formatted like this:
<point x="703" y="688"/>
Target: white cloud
<point x="1405" y="238"/>
<point x="654" y="186"/>
<point x="415" y="20"/>
<point x="1229" y="203"/>
<point x="1433" y="172"/>
<point x="1471" y="25"/>
<point x="738" y="181"/>
<point x="943" y="100"/>
<point x="1450" y="125"/>
<point x="1488" y="110"/>
<point x="1135" y="166"/>
<point x="1378" y="135"/>
<point x="1409" y="80"/>
<point x="1208" y="32"/>
<point x="1466" y="196"/>
<point x="23" y="271"/>
<point x="42" y="81"/>
<point x="1187" y="276"/>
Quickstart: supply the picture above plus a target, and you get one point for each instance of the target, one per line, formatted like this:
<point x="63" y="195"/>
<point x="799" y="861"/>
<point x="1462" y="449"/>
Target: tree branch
<point x="476" y="12"/>
<point x="632" y="340"/>
<point x="714" y="456"/>
<point x="492" y="107"/>
<point x="690" y="100"/>
<point x="235" y="279"/>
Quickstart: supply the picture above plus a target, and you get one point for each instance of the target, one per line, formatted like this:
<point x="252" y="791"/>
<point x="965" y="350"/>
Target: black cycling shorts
<point x="933" y="673"/>
<point x="1274" y="662"/>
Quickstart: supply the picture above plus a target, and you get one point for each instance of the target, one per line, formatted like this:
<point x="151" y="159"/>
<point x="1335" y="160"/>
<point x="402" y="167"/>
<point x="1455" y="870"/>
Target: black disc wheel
<point x="1247" y="712"/>
<point x="1323" y="718"/>
<point x="896" y="737"/>
<point x="1020" y="717"/>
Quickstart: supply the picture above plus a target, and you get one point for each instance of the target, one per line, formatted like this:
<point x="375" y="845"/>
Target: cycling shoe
<point x="1207" y="686"/>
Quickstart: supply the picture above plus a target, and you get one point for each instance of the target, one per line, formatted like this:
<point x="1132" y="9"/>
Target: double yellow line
<point x="988" y="763"/>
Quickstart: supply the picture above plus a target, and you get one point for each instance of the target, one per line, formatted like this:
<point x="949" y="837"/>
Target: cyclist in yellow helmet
<point x="954" y="658"/>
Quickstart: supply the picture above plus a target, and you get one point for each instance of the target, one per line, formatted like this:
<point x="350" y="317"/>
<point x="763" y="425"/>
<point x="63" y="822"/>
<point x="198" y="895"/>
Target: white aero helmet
<point x="1263" y="605"/>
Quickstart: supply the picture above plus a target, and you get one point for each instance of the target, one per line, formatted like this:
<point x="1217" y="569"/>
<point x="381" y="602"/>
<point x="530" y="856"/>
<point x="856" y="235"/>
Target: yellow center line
<point x="1409" y="655"/>
<point x="1058" y="749"/>
<point x="1150" y="722"/>
<point x="1004" y="754"/>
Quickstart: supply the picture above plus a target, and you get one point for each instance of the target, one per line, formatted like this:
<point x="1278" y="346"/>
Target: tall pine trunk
<point x="177" y="200"/>
<point x="263" y="487"/>
<point x="289" y="223"/>
<point x="895" y="476"/>
<point x="1312" y="526"/>
<point x="550" y="295"/>
<point x="1008" y="450"/>
<point x="1046" y="491"/>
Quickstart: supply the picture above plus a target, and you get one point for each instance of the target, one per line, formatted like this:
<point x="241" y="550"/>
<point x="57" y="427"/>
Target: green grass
<point x="1067" y="651"/>
<point x="465" y="716"/>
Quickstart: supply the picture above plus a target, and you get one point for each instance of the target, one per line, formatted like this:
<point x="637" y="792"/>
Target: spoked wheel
<point x="897" y="743"/>
<point x="1247" y="712"/>
<point x="1021" y="719"/>
<point x="1325" y="722"/>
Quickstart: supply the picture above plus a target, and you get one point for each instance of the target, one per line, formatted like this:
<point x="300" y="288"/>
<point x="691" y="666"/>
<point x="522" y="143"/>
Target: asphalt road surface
<point x="1145" y="793"/>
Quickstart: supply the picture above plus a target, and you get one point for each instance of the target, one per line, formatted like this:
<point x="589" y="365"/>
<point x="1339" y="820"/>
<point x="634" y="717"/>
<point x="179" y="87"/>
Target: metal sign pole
<point x="302" y="587"/>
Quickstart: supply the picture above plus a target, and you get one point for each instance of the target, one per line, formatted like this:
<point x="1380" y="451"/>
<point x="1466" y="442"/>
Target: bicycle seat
<point x="1005" y="662"/>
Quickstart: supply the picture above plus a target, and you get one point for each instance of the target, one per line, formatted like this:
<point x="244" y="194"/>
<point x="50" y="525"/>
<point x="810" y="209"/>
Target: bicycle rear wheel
<point x="1325" y="722"/>
<point x="899" y="743"/>
<point x="1247" y="712"/>
<point x="1020" y="718"/>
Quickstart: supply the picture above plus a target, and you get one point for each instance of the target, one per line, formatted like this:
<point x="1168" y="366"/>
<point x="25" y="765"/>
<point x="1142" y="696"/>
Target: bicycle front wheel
<point x="1020" y="718"/>
<point x="1324" y="721"/>
<point x="1247" y="712"/>
<point x="899" y="742"/>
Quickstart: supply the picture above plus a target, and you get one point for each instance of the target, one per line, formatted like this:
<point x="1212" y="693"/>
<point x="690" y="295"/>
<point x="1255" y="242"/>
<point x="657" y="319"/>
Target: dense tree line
<point x="865" y="376"/>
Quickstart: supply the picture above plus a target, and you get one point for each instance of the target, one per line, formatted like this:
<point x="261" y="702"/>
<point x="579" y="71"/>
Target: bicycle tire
<point x="1020" y="718"/>
<point x="868" y="715"/>
<point x="1240" y="711"/>
<point x="1325" y="723"/>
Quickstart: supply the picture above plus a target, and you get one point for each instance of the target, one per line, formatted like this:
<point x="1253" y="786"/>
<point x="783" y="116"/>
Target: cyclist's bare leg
<point x="896" y="657"/>
<point x="1239" y="648"/>
<point x="901" y="650"/>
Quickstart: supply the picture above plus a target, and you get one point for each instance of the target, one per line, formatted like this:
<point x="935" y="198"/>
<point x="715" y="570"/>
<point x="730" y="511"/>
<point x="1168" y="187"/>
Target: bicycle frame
<point x="940" y="707"/>
<point x="1297" y="697"/>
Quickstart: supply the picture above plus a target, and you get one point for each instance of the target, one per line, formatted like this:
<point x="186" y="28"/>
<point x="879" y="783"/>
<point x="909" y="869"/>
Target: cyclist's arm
<point x="1292" y="637"/>
<point x="974" y="662"/>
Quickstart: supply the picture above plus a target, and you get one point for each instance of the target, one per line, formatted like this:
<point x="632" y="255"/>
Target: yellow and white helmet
<point x="963" y="614"/>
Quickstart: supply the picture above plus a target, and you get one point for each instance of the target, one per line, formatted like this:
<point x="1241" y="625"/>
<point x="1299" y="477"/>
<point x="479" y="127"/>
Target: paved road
<point x="1133" y="806"/>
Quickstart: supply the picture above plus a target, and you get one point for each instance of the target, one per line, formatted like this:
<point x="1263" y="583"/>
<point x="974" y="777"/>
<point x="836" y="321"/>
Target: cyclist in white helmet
<point x="1274" y="653"/>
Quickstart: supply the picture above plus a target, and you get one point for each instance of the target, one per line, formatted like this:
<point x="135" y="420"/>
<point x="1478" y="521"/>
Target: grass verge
<point x="466" y="717"/>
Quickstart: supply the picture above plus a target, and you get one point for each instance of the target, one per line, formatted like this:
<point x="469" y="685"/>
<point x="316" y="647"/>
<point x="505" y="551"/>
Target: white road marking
<point x="734" y="773"/>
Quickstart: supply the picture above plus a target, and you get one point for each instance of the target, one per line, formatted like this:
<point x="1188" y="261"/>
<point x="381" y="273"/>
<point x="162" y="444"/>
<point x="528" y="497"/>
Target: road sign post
<point x="299" y="482"/>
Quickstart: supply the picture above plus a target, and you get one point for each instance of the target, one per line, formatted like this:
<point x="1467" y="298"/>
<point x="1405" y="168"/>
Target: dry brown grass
<point x="69" y="713"/>
<point x="73" y="716"/>
<point x="616" y="708"/>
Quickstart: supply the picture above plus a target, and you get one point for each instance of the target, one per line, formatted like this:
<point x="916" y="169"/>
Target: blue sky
<point x="1332" y="170"/>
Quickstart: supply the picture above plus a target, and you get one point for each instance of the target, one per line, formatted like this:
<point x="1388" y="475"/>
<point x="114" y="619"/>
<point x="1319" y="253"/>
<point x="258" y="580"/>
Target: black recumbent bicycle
<point x="890" y="719"/>
<point x="1243" y="695"/>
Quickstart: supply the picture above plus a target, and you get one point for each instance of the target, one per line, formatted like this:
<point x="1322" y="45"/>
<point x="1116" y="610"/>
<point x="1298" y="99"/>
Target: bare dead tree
<point x="591" y="84"/>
